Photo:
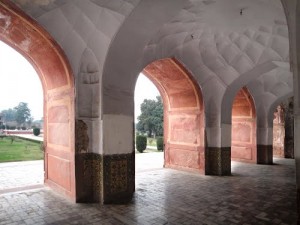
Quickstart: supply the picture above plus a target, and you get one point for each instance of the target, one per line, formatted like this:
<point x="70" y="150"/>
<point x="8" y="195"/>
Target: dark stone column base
<point x="298" y="205"/>
<point x="265" y="154"/>
<point x="88" y="177"/>
<point x="118" y="178"/>
<point x="104" y="178"/>
<point x="218" y="161"/>
<point x="289" y="149"/>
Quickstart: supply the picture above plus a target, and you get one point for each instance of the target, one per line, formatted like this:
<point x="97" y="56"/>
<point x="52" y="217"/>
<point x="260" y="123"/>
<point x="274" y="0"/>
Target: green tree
<point x="29" y="121"/>
<point x="151" y="119"/>
<point x="22" y="113"/>
<point x="8" y="115"/>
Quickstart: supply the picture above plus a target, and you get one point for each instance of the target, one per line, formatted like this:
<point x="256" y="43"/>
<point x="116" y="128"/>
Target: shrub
<point x="160" y="143"/>
<point x="11" y="127"/>
<point x="36" y="131"/>
<point x="141" y="143"/>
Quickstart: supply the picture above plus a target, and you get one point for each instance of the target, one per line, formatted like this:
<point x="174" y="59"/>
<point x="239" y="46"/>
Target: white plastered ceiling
<point x="225" y="44"/>
<point x="268" y="91"/>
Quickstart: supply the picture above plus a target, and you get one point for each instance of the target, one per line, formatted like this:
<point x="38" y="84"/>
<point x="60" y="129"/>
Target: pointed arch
<point x="39" y="48"/>
<point x="183" y="114"/>
<point x="243" y="142"/>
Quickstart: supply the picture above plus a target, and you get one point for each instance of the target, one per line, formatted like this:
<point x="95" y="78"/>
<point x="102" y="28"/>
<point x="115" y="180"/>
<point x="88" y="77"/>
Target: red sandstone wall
<point x="278" y="132"/>
<point x="16" y="28"/>
<point x="243" y="144"/>
<point x="183" y="115"/>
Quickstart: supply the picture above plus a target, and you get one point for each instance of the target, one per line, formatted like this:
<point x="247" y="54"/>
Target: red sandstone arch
<point x="183" y="114"/>
<point x="243" y="141"/>
<point x="35" y="44"/>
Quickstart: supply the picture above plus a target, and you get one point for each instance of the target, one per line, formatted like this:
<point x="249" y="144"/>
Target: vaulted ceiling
<point x="225" y="44"/>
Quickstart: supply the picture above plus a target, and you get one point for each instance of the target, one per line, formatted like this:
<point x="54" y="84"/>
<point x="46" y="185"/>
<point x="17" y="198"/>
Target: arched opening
<point x="21" y="110"/>
<point x="283" y="129"/>
<point x="34" y="43"/>
<point x="149" y="123"/>
<point x="243" y="141"/>
<point x="183" y="115"/>
<point x="278" y="132"/>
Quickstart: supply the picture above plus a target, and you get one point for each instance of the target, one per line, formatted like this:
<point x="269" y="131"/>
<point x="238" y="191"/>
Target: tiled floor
<point x="21" y="175"/>
<point x="255" y="194"/>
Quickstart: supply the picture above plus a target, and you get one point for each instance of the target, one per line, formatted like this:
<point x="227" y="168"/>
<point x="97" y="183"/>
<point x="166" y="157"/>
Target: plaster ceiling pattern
<point x="224" y="54"/>
<point x="78" y="25"/>
<point x="219" y="41"/>
<point x="267" y="90"/>
<point x="220" y="50"/>
<point x="36" y="8"/>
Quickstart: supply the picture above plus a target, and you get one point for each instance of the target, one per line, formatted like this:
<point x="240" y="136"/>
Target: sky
<point x="144" y="89"/>
<point x="20" y="83"/>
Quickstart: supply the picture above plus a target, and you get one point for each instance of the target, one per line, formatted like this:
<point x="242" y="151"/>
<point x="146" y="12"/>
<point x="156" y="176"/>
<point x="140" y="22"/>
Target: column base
<point x="218" y="161"/>
<point x="265" y="154"/>
<point x="118" y="178"/>
<point x="289" y="149"/>
<point x="105" y="178"/>
<point x="88" y="177"/>
<point x="298" y="205"/>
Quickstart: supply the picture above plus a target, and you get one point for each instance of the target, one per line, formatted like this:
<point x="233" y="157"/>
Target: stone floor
<point x="255" y="194"/>
<point x="16" y="176"/>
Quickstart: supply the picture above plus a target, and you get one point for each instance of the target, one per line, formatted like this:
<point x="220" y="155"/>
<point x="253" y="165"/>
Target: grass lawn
<point x="19" y="150"/>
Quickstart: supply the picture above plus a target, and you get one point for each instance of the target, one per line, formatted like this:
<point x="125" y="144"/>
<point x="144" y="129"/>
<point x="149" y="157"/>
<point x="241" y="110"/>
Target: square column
<point x="265" y="154"/>
<point x="218" y="161"/>
<point x="118" y="178"/>
<point x="105" y="178"/>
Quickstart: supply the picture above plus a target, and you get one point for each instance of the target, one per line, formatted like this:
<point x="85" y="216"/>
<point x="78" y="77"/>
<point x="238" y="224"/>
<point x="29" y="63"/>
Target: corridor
<point x="255" y="194"/>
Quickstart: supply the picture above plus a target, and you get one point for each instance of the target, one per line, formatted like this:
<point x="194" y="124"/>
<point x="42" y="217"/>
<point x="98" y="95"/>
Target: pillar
<point x="289" y="130"/>
<point x="118" y="175"/>
<point x="264" y="145"/>
<point x="218" y="158"/>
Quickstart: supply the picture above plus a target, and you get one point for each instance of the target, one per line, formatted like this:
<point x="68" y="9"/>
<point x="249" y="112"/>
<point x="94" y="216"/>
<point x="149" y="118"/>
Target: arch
<point x="279" y="126"/>
<point x="278" y="131"/>
<point x="276" y="103"/>
<point x="183" y="114"/>
<point x="243" y="142"/>
<point x="240" y="82"/>
<point x="35" y="44"/>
